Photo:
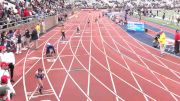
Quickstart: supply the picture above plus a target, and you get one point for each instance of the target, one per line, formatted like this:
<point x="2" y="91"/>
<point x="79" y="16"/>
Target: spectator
<point x="9" y="58"/>
<point x="38" y="29"/>
<point x="177" y="42"/>
<point x="19" y="42"/>
<point x="163" y="17"/>
<point x="8" y="86"/>
<point x="26" y="13"/>
<point x="3" y="38"/>
<point x="162" y="41"/>
<point x="27" y="38"/>
<point x="43" y="26"/>
<point x="34" y="37"/>
<point x="11" y="62"/>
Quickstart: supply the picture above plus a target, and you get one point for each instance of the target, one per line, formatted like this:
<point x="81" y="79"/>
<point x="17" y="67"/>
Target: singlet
<point x="39" y="75"/>
<point x="63" y="29"/>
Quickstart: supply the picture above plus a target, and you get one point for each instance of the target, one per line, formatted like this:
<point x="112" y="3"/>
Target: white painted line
<point x="127" y="65"/>
<point x="45" y="100"/>
<point x="119" y="77"/>
<point x="112" y="81"/>
<point x="148" y="67"/>
<point x="37" y="92"/>
<point x="143" y="66"/>
<point x="42" y="95"/>
<point x="76" y="36"/>
<point x="44" y="68"/>
<point x="33" y="58"/>
<point x="89" y="65"/>
<point x="68" y="75"/>
<point x="51" y="60"/>
<point x="39" y="59"/>
<point x="55" y="69"/>
<point x="92" y="74"/>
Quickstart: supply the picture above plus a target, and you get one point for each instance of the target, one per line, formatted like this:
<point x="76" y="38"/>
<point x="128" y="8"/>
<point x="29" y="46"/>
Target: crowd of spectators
<point x="14" y="41"/>
<point x="25" y="11"/>
<point x="11" y="43"/>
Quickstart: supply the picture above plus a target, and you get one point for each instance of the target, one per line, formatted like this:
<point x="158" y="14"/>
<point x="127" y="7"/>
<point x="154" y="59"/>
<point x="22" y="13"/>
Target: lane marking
<point x="89" y="65"/>
<point x="104" y="50"/>
<point x="43" y="64"/>
<point x="24" y="73"/>
<point x="41" y="95"/>
<point x="157" y="78"/>
<point x="119" y="77"/>
<point x="68" y="75"/>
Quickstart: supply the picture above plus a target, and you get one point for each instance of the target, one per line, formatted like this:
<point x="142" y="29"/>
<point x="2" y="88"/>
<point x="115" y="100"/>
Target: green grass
<point x="160" y="22"/>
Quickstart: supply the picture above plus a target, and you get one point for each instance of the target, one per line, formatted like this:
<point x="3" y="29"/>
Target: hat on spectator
<point x="4" y="79"/>
<point x="2" y="64"/>
<point x="2" y="47"/>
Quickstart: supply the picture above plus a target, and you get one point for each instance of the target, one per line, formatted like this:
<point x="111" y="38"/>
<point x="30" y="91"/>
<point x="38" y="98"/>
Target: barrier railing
<point x="49" y="19"/>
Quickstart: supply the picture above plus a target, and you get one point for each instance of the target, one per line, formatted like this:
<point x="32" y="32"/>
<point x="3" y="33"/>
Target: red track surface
<point x="103" y="63"/>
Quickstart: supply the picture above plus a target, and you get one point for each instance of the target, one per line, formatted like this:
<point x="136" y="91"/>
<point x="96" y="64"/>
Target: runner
<point x="88" y="21"/>
<point x="40" y="76"/>
<point x="63" y="33"/>
<point x="96" y="19"/>
<point x="50" y="51"/>
<point x="78" y="30"/>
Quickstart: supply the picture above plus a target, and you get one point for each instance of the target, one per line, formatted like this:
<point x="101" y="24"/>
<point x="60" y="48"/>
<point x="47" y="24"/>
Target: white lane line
<point x="33" y="50"/>
<point x="46" y="72"/>
<point x="25" y="73"/>
<point x="55" y="69"/>
<point x="127" y="65"/>
<point x="94" y="76"/>
<point x="26" y="60"/>
<point x="147" y="65"/>
<point x="49" y="94"/>
<point x="149" y="59"/>
<point x="151" y="71"/>
<point x="138" y="74"/>
<point x="67" y="71"/>
<point x="162" y="64"/>
<point x="23" y="77"/>
<point x="43" y="61"/>
<point x="165" y="87"/>
<point x="42" y="53"/>
<point x="149" y="51"/>
<point x="104" y="50"/>
<point x="89" y="65"/>
<point x="24" y="66"/>
<point x="44" y="91"/>
<point x="141" y="57"/>
<point x="118" y="76"/>
<point x="142" y="65"/>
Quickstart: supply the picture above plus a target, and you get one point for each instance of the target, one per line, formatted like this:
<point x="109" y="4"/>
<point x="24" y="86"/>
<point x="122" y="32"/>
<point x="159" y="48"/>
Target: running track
<point x="103" y="63"/>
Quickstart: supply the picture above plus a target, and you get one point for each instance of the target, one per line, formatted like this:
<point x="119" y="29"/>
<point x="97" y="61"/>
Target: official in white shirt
<point x="8" y="57"/>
